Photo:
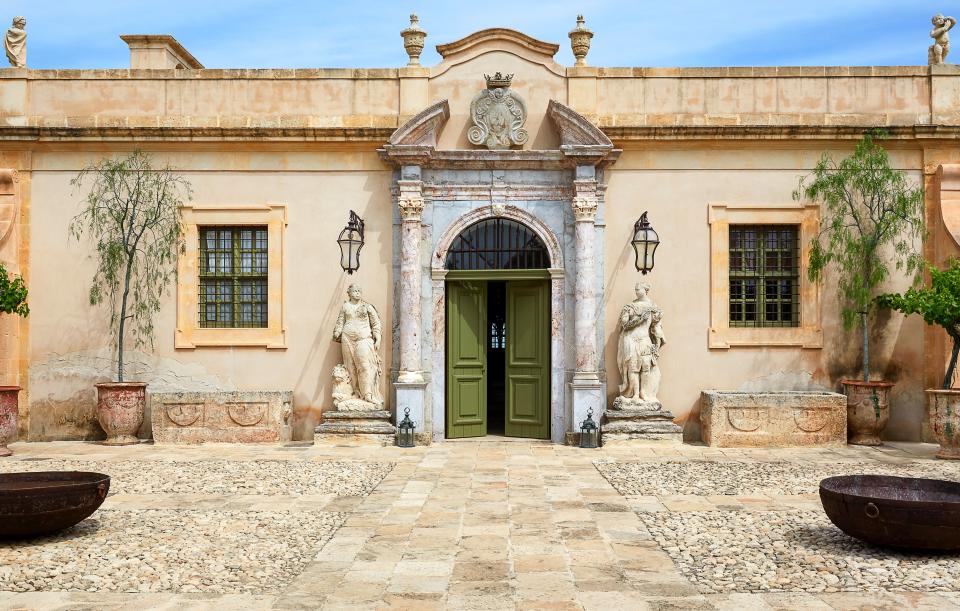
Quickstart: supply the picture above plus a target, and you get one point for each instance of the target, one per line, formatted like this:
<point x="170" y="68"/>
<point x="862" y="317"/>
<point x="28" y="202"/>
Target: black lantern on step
<point x="645" y="242"/>
<point x="589" y="432"/>
<point x="405" y="435"/>
<point x="351" y="241"/>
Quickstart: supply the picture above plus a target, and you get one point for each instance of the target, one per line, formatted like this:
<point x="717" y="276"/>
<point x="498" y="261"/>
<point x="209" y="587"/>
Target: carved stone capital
<point x="410" y="199"/>
<point x="584" y="208"/>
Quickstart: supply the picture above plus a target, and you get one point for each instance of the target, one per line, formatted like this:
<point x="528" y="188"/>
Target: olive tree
<point x="131" y="214"/>
<point x="871" y="216"/>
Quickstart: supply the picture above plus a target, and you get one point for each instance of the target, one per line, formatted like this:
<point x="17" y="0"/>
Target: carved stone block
<point x="222" y="416"/>
<point x="355" y="428"/>
<point x="773" y="419"/>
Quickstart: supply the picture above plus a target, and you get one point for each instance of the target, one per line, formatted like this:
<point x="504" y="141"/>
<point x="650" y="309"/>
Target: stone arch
<point x="438" y="262"/>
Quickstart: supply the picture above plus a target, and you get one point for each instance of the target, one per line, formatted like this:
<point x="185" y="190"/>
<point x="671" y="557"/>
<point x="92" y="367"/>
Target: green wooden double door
<point x="523" y="335"/>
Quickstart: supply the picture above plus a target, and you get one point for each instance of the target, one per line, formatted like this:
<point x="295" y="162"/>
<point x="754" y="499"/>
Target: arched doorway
<point x="497" y="331"/>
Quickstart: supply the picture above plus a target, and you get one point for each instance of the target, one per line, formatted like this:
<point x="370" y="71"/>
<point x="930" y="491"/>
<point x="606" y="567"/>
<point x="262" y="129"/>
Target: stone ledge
<point x="773" y="418"/>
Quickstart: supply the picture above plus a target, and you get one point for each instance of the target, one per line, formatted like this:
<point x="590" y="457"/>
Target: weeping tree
<point x="871" y="216"/>
<point x="131" y="213"/>
<point x="13" y="294"/>
<point x="939" y="304"/>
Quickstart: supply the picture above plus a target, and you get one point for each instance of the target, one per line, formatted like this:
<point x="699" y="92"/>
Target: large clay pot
<point x="8" y="417"/>
<point x="120" y="408"/>
<point x="943" y="407"/>
<point x="868" y="409"/>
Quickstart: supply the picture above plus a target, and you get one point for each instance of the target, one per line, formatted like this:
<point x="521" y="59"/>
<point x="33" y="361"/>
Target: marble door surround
<point x="558" y="194"/>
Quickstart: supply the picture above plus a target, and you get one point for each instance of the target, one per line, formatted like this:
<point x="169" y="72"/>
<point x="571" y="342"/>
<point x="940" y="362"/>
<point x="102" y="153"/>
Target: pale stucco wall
<point x="676" y="184"/>
<point x="71" y="347"/>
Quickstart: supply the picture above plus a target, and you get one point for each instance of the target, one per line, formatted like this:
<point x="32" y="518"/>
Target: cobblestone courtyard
<point x="490" y="524"/>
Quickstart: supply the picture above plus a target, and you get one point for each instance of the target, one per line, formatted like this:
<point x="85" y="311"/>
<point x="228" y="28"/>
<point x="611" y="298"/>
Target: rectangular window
<point x="233" y="277"/>
<point x="764" y="276"/>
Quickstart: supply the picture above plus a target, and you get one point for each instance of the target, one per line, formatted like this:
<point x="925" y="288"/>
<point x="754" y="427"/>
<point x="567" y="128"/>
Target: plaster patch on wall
<point x="783" y="380"/>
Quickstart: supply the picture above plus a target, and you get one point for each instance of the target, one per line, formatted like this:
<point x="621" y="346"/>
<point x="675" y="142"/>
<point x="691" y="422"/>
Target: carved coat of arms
<point x="498" y="115"/>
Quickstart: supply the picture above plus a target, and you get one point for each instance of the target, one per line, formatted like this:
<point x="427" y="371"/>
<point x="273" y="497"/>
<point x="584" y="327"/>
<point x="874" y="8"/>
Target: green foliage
<point x="938" y="304"/>
<point x="13" y="294"/>
<point x="131" y="214"/>
<point x="868" y="210"/>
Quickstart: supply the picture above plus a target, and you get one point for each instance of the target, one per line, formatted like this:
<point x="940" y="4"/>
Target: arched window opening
<point x="497" y="243"/>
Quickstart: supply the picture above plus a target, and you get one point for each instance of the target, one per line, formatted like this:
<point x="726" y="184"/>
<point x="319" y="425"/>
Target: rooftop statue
<point x="937" y="53"/>
<point x="16" y="43"/>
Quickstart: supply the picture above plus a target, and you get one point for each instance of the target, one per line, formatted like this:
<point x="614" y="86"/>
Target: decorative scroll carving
<point x="498" y="115"/>
<point x="584" y="201"/>
<point x="9" y="202"/>
<point x="246" y="414"/>
<point x="184" y="414"/>
<point x="410" y="200"/>
<point x="745" y="419"/>
<point x="811" y="420"/>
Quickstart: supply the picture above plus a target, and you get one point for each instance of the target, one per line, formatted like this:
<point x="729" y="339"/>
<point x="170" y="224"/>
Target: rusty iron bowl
<point x="906" y="513"/>
<point x="45" y="502"/>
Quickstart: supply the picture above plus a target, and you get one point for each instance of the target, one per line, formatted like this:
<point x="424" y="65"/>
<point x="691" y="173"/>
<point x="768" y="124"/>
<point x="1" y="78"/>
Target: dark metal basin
<point x="45" y="502"/>
<point x="900" y="512"/>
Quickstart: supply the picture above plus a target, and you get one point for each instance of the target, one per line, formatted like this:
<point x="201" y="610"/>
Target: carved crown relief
<point x="498" y="115"/>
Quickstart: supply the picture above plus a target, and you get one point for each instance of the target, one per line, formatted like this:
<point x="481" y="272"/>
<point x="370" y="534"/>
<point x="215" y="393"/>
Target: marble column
<point x="410" y="384"/>
<point x="586" y="388"/>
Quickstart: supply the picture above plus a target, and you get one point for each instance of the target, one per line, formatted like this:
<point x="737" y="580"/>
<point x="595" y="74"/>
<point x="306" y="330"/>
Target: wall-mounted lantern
<point x="645" y="242"/>
<point x="351" y="241"/>
<point x="405" y="435"/>
<point x="589" y="432"/>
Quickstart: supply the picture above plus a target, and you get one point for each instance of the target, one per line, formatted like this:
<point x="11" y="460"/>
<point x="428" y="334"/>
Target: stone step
<point x="644" y="427"/>
<point x="348" y="415"/>
<point x="636" y="414"/>
<point x="374" y="427"/>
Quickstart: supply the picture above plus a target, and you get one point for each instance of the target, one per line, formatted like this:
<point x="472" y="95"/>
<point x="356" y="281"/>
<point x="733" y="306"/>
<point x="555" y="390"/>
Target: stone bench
<point x="774" y="419"/>
<point x="257" y="416"/>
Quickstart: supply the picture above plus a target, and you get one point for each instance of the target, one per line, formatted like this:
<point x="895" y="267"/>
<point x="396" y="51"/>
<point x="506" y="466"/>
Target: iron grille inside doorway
<point x="497" y="244"/>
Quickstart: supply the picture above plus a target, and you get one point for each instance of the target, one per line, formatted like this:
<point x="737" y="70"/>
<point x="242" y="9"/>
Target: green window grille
<point x="764" y="276"/>
<point x="233" y="277"/>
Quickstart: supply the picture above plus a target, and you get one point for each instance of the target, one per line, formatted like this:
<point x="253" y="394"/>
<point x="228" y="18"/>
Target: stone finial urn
<point x="413" y="39"/>
<point x="868" y="410"/>
<point x="120" y="407"/>
<point x="944" y="410"/>
<point x="580" y="41"/>
<point x="9" y="415"/>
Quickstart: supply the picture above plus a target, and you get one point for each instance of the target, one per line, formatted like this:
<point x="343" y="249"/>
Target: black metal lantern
<point x="645" y="242"/>
<point x="589" y="432"/>
<point x="405" y="436"/>
<point x="351" y="241"/>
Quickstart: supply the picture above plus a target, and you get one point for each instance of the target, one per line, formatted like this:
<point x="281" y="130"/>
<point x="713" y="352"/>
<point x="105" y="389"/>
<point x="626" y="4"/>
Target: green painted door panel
<point x="466" y="359"/>
<point x="528" y="359"/>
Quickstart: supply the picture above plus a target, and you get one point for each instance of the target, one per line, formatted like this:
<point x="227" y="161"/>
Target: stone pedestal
<point x="586" y="394"/>
<point x="356" y="428"/>
<point x="630" y="421"/>
<point x="412" y="396"/>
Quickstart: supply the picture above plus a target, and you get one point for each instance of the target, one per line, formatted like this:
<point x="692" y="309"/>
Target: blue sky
<point x="365" y="33"/>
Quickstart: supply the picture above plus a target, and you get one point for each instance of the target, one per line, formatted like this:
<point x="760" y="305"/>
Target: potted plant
<point x="131" y="213"/>
<point x="871" y="216"/>
<point x="13" y="300"/>
<point x="939" y="304"/>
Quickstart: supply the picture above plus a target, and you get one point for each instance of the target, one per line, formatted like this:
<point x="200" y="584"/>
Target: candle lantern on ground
<point x="589" y="432"/>
<point x="405" y="431"/>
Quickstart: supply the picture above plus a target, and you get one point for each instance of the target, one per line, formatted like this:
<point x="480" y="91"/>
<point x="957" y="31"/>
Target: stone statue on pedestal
<point x="636" y="413"/>
<point x="937" y="53"/>
<point x="358" y="417"/>
<point x="15" y="43"/>
<point x="358" y="330"/>
<point x="638" y="352"/>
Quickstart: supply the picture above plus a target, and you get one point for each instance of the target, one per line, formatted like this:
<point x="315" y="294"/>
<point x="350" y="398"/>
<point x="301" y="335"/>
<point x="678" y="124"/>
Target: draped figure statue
<point x="359" y="331"/>
<point x="15" y="43"/>
<point x="638" y="351"/>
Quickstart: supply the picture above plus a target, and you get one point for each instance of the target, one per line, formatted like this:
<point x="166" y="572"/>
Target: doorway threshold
<point x="497" y="439"/>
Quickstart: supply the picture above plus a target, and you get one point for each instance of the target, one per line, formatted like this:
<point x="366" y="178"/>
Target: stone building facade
<point x="292" y="151"/>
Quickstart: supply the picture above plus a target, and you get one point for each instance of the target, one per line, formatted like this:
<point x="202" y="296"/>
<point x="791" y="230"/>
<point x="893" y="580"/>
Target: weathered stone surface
<point x="773" y="419"/>
<point x="625" y="425"/>
<point x="356" y="428"/>
<point x="221" y="416"/>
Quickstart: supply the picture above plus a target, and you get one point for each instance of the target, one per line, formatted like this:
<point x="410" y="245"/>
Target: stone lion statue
<point x="343" y="393"/>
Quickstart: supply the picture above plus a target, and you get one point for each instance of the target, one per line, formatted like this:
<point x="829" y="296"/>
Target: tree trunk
<point x="866" y="347"/>
<point x="948" y="378"/>
<point x="123" y="319"/>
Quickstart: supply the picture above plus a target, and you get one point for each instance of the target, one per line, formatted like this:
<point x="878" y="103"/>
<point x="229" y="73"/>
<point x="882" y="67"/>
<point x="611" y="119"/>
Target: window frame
<point x="762" y="276"/>
<point x="189" y="334"/>
<point x="723" y="335"/>
<point x="236" y="277"/>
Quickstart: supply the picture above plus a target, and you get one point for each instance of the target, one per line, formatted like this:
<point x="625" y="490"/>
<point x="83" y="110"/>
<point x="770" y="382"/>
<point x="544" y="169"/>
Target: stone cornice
<point x="195" y="134"/>
<point x="497" y="34"/>
<point x="777" y="132"/>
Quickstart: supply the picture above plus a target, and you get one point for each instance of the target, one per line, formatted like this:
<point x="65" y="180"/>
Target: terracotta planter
<point x="8" y="417"/>
<point x="120" y="408"/>
<point x="868" y="409"/>
<point x="944" y="410"/>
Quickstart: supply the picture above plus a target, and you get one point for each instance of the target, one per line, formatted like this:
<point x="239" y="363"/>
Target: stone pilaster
<point x="410" y="385"/>
<point x="587" y="392"/>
